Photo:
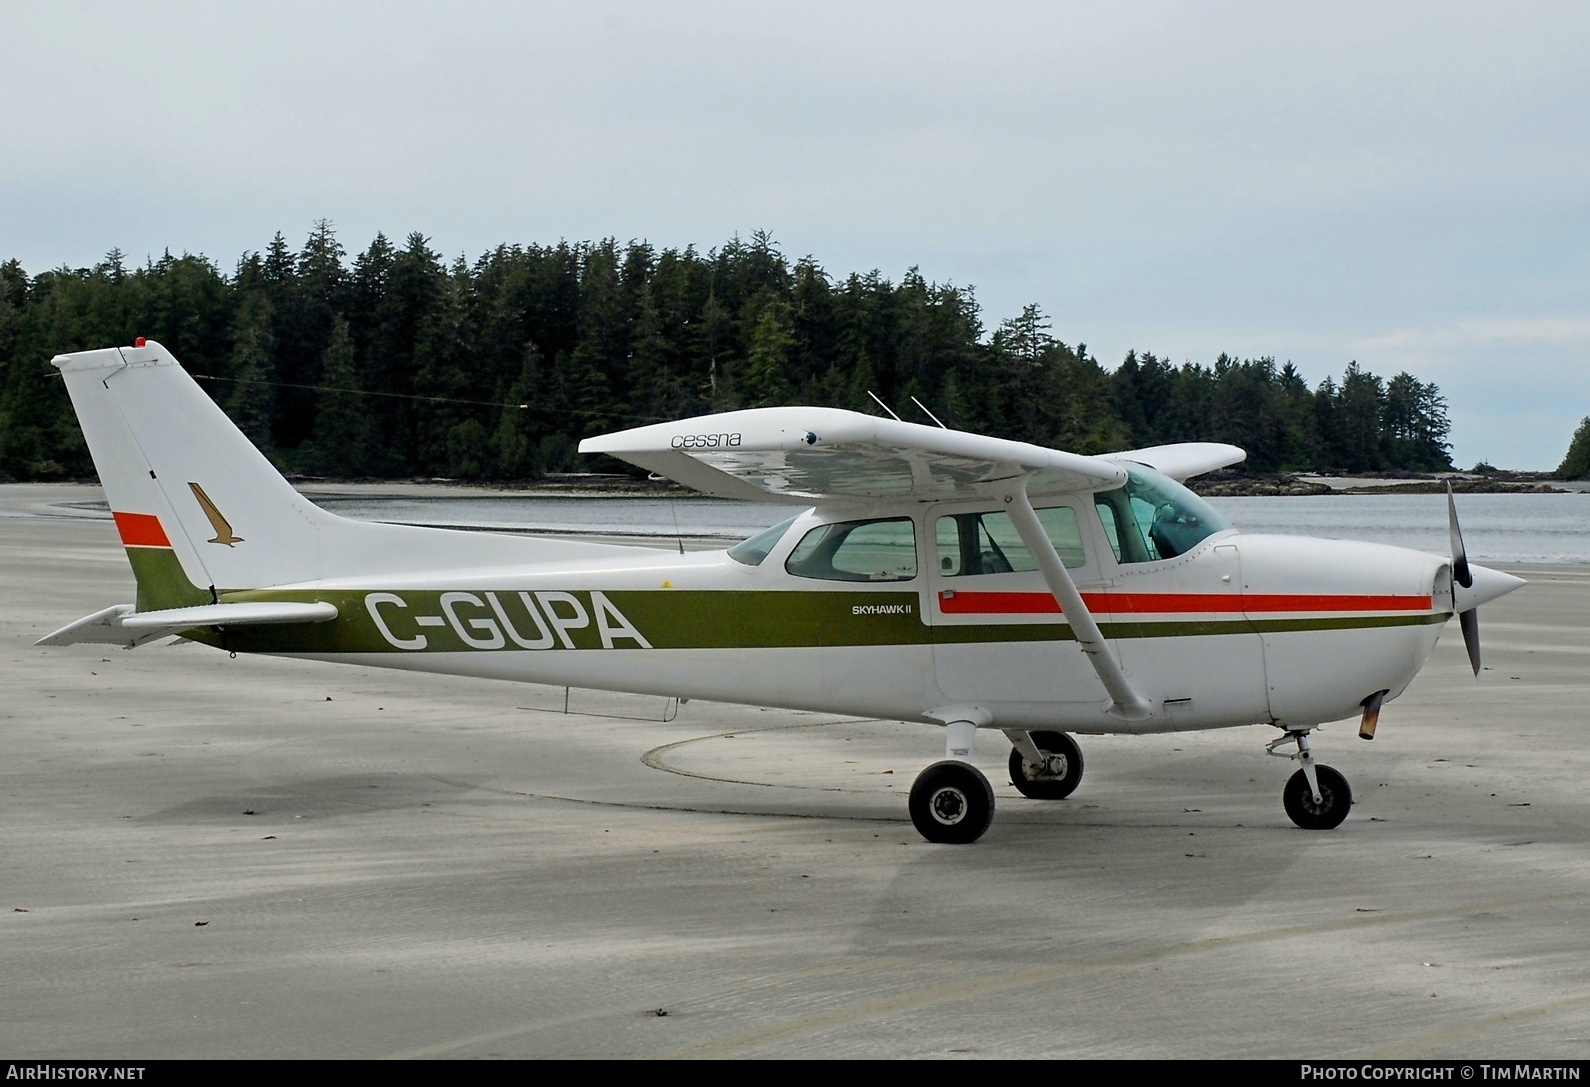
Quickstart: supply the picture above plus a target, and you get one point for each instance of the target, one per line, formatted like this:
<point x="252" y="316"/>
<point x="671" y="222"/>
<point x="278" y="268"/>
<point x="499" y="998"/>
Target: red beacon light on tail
<point x="140" y="341"/>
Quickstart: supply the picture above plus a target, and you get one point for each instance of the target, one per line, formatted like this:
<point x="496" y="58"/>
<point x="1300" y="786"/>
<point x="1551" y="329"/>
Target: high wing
<point x="1184" y="460"/>
<point x="805" y="456"/>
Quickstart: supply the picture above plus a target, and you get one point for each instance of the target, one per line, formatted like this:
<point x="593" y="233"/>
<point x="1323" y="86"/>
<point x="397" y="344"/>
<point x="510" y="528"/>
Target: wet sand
<point x="215" y="857"/>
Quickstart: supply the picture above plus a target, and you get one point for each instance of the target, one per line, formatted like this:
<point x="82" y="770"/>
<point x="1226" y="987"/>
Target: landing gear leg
<point x="951" y="801"/>
<point x="1316" y="797"/>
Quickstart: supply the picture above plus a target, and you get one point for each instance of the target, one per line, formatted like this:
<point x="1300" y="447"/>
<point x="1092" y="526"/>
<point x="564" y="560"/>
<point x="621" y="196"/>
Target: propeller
<point x="1468" y="621"/>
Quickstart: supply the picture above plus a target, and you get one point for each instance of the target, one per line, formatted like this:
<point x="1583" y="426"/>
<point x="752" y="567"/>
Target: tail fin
<point x="201" y="511"/>
<point x="184" y="483"/>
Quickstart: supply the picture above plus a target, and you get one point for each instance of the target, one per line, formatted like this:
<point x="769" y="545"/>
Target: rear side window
<point x="754" y="550"/>
<point x="882" y="550"/>
<point x="987" y="543"/>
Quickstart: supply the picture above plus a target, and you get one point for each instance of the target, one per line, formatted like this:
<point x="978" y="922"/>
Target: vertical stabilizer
<point x="198" y="507"/>
<point x="202" y="512"/>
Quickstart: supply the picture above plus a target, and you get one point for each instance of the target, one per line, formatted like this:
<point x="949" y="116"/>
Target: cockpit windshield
<point x="1153" y="517"/>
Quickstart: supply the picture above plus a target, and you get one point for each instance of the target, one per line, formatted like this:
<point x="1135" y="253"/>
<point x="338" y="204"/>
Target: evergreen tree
<point x="1359" y="406"/>
<point x="1576" y="465"/>
<point x="468" y="449"/>
<point x="253" y="375"/>
<point x="320" y="271"/>
<point x="589" y="393"/>
<point x="767" y="361"/>
<point x="1327" y="428"/>
<point x="341" y="441"/>
<point x="1300" y="444"/>
<point x="372" y="272"/>
<point x="1026" y="338"/>
<point x="445" y="382"/>
<point x="811" y="323"/>
<point x="715" y="345"/>
<point x="280" y="264"/>
<point x="411" y="290"/>
<point x="655" y="390"/>
<point x="520" y="421"/>
<point x="863" y="386"/>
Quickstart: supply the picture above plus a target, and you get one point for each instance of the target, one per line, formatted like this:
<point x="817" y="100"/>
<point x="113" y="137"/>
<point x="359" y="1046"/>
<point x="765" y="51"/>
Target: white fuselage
<point x="1240" y="629"/>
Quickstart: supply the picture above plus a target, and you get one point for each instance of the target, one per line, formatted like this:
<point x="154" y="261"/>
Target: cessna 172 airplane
<point x="927" y="575"/>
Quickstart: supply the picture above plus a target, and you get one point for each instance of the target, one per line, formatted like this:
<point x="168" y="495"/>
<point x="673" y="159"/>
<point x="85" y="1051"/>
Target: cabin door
<point x="998" y="635"/>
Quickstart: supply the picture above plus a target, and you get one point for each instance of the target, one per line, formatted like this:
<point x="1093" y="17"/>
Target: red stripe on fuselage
<point x="140" y="530"/>
<point x="980" y="603"/>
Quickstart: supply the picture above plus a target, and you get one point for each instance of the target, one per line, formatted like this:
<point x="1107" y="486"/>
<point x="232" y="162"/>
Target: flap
<point x="814" y="455"/>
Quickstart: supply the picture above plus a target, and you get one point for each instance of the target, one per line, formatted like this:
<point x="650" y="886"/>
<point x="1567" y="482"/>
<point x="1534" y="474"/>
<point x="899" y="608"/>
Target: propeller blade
<point x="1460" y="558"/>
<point x="1469" y="621"/>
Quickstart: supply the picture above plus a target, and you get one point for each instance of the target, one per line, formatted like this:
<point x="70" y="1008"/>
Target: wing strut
<point x="1128" y="705"/>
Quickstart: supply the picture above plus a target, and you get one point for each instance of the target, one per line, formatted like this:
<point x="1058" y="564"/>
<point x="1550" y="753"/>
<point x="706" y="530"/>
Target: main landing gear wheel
<point x="952" y="802"/>
<point x="1057" y="777"/>
<point x="1336" y="798"/>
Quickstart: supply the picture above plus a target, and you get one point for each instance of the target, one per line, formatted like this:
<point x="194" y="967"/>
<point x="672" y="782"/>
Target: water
<point x="1519" y="528"/>
<point x="1546" y="528"/>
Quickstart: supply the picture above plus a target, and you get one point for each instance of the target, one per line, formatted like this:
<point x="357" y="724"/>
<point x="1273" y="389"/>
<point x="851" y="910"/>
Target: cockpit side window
<point x="1153" y="517"/>
<point x="882" y="550"/>
<point x="1121" y="527"/>
<point x="988" y="543"/>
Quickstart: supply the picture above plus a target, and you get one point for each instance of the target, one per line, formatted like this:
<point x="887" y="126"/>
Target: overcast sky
<point x="1403" y="184"/>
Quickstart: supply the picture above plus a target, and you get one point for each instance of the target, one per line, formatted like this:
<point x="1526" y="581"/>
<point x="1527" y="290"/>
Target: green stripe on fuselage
<point x="669" y="619"/>
<point x="682" y="619"/>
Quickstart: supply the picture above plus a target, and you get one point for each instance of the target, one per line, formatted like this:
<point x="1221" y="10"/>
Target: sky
<point x="1407" y="184"/>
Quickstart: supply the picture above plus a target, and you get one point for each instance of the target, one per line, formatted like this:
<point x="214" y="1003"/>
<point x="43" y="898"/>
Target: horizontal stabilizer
<point x="122" y="625"/>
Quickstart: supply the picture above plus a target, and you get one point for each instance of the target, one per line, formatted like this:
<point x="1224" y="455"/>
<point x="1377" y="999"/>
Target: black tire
<point x="952" y="803"/>
<point x="1038" y="785"/>
<point x="1335" y="795"/>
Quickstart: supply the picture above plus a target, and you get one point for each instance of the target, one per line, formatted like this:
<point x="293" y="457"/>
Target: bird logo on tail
<point x="223" y="529"/>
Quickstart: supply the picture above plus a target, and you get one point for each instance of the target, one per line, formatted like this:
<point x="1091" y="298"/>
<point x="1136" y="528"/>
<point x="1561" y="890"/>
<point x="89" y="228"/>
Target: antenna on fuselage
<point x="929" y="414"/>
<point x="680" y="536"/>
<point x="884" y="406"/>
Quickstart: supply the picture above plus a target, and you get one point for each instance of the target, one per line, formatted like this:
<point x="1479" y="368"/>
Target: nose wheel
<point x="1335" y="799"/>
<point x="1316" y="797"/>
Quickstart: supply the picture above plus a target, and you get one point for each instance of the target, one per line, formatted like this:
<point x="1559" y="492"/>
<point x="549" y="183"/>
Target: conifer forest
<point x="398" y="363"/>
